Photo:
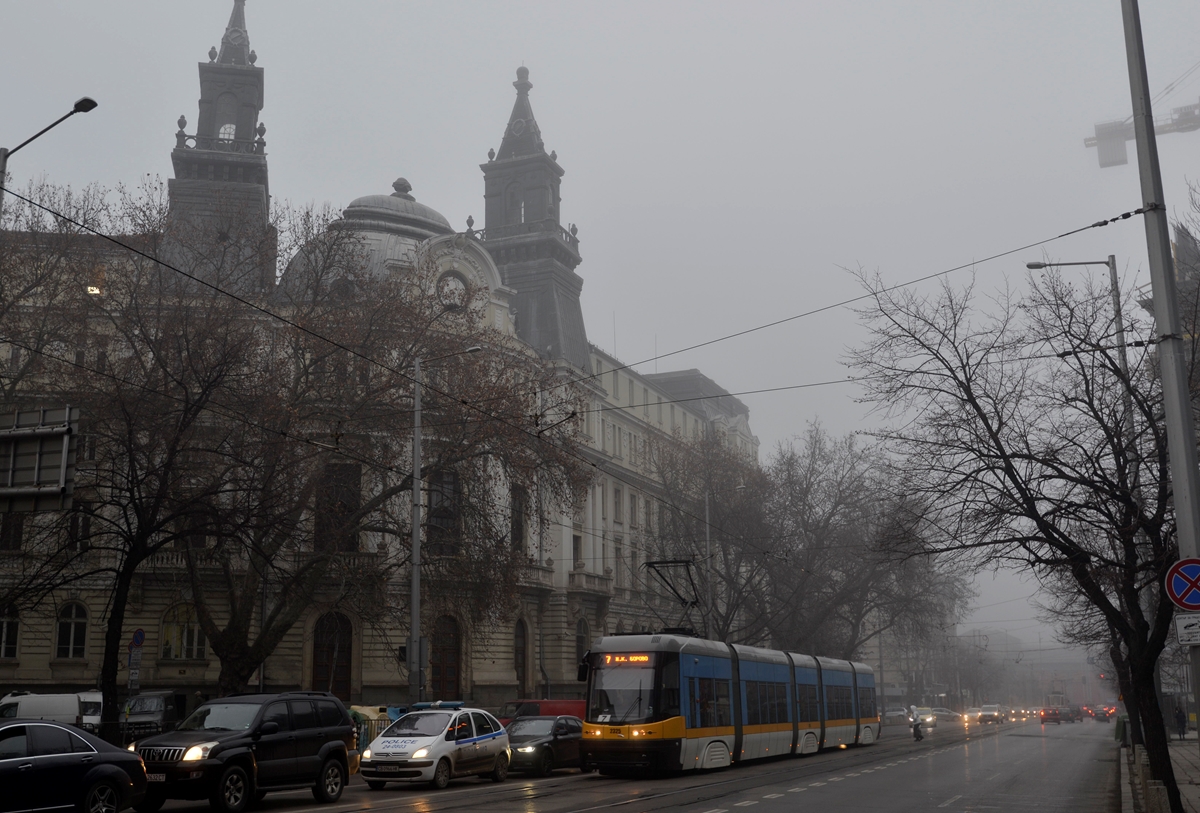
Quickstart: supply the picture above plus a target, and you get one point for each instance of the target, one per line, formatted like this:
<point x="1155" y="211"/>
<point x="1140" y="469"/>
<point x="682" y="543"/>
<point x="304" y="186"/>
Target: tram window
<point x="839" y="702"/>
<point x="709" y="705"/>
<point x="807" y="705"/>
<point x="866" y="702"/>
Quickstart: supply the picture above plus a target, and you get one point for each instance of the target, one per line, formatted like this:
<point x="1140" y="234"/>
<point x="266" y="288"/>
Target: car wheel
<point x="232" y="793"/>
<point x="375" y="784"/>
<point x="500" y="772"/>
<point x="149" y="804"/>
<point x="102" y="798"/>
<point x="330" y="782"/>
<point x="546" y="763"/>
<point x="441" y="775"/>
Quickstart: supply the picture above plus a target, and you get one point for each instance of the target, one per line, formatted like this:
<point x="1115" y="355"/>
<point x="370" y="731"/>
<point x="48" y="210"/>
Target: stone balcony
<point x="593" y="583"/>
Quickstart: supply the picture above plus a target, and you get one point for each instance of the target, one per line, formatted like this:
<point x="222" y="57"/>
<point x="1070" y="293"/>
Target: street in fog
<point x="1067" y="768"/>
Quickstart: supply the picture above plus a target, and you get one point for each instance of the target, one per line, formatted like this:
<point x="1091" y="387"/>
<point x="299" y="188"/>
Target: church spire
<point x="235" y="45"/>
<point x="522" y="136"/>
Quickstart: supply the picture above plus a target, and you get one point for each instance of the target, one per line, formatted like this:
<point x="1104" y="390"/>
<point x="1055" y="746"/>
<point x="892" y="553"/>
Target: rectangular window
<point x="660" y="410"/>
<point x="616" y="386"/>
<point x="79" y="529"/>
<point x="603" y="500"/>
<point x="577" y="544"/>
<point x="12" y="531"/>
<point x="8" y="637"/>
<point x="645" y="402"/>
<point x="443" y="516"/>
<point x="335" y="525"/>
<point x="672" y="417"/>
<point x="619" y="561"/>
<point x="807" y="704"/>
<point x="517" y="508"/>
<point x="866" y="703"/>
<point x="618" y="508"/>
<point x="709" y="703"/>
<point x="633" y="511"/>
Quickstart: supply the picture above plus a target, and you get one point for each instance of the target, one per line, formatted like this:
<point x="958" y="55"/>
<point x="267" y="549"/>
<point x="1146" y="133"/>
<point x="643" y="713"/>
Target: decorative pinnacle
<point x="522" y="84"/>
<point x="212" y="54"/>
<point x="402" y="187"/>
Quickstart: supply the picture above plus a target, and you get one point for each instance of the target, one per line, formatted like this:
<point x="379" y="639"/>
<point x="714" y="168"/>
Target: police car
<point x="436" y="742"/>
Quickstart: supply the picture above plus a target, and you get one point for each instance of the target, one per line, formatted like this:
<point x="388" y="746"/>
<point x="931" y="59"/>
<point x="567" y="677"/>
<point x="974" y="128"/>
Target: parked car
<point x="61" y="708"/>
<point x="90" y="706"/>
<point x="234" y="750"/>
<point x="151" y="713"/>
<point x="1050" y="715"/>
<point x="47" y="765"/>
<point x="542" y="744"/>
<point x="541" y="708"/>
<point x="435" y="743"/>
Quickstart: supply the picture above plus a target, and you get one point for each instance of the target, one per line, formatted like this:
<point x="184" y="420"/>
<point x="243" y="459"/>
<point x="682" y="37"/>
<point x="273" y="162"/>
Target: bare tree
<point x="1023" y="429"/>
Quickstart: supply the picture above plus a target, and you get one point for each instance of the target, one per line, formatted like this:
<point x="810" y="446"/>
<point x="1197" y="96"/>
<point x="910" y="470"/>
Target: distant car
<point x="927" y="717"/>
<point x="947" y="715"/>
<point x="895" y="716"/>
<point x="1050" y="715"/>
<point x="991" y="714"/>
<point x="541" y="744"/>
<point x="1072" y="714"/>
<point x="971" y="715"/>
<point x="541" y="708"/>
<point x="1100" y="713"/>
<point x="51" y="766"/>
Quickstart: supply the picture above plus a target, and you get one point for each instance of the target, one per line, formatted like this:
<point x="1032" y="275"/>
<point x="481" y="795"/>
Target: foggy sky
<point x="725" y="161"/>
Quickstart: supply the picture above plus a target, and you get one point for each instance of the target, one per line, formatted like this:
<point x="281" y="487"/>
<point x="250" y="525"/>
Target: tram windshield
<point x="623" y="689"/>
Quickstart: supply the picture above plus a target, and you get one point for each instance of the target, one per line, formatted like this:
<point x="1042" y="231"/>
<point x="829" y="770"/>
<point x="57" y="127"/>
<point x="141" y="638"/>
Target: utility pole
<point x="1181" y="433"/>
<point x="416" y="663"/>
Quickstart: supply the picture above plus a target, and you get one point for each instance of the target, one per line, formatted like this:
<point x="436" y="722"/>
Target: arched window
<point x="581" y="639"/>
<point x="521" y="656"/>
<point x="72" y="631"/>
<point x="514" y="203"/>
<point x="181" y="634"/>
<point x="226" y="116"/>
<point x="8" y="633"/>
<point x="445" y="659"/>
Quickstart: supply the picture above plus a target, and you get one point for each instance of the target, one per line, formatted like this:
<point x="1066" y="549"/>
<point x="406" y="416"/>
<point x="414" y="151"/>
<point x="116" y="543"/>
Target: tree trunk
<point x="1154" y="730"/>
<point x="235" y="674"/>
<point x="1128" y="694"/>
<point x="110" y="725"/>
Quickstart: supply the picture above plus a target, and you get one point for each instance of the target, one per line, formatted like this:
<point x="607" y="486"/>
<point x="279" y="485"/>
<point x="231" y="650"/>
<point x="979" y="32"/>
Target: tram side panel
<point x="840" y="722"/>
<point x="808" y="705"/>
<point x="869" y="721"/>
<point x="706" y="688"/>
<point x="767" y="730"/>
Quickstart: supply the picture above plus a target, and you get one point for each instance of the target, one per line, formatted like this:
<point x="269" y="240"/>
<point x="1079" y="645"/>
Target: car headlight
<point x="131" y="747"/>
<point x="366" y="754"/>
<point x="420" y="753"/>
<point x="528" y="749"/>
<point x="200" y="751"/>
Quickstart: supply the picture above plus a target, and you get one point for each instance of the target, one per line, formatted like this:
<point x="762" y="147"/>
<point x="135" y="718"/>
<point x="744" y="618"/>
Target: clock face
<point x="452" y="291"/>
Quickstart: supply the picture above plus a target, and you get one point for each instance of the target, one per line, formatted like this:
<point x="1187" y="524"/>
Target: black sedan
<point x="542" y="744"/>
<point x="47" y="766"/>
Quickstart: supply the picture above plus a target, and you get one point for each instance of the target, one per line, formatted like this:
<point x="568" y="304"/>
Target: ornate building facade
<point x="585" y="576"/>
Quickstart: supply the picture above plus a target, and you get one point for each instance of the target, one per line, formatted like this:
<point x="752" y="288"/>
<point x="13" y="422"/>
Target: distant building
<point x="584" y="579"/>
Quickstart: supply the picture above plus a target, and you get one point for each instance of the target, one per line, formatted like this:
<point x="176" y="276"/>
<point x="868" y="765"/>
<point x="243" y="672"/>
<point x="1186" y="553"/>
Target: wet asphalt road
<point x="1069" y="768"/>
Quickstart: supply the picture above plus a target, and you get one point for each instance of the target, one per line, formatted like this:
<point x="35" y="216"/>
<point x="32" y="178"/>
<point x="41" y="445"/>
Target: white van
<point x="91" y="704"/>
<point x="61" y="708"/>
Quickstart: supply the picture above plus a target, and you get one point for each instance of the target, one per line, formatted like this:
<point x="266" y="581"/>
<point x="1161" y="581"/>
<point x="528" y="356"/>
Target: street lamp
<point x="416" y="657"/>
<point x="84" y="105"/>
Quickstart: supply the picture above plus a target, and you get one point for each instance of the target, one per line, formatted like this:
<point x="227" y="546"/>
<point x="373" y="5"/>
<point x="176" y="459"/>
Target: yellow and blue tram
<point x="671" y="702"/>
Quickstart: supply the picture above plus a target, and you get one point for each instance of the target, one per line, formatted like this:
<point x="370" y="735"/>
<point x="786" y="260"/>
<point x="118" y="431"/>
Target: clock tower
<point x="536" y="256"/>
<point x="220" y="184"/>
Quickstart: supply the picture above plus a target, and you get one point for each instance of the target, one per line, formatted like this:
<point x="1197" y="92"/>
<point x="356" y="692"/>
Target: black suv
<point x="235" y="749"/>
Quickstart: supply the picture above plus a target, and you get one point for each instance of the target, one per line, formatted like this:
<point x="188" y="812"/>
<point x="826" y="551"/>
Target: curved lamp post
<point x="84" y="105"/>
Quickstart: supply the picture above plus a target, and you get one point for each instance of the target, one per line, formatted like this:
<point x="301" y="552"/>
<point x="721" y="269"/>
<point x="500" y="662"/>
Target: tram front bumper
<point x="653" y="755"/>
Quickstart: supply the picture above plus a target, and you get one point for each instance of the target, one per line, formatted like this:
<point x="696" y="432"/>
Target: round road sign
<point x="139" y="634"/>
<point x="1183" y="584"/>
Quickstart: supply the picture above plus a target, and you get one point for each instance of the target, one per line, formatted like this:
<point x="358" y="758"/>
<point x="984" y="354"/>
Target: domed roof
<point x="398" y="213"/>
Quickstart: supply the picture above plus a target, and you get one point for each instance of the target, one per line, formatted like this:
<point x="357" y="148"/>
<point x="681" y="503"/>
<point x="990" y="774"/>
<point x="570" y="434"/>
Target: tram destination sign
<point x="37" y="451"/>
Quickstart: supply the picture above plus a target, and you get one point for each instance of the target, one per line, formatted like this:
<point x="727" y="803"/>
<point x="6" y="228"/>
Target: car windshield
<point x="89" y="708"/>
<point x="144" y="705"/>
<point x="422" y="725"/>
<point x="528" y="729"/>
<point x="991" y="708"/>
<point x="221" y="717"/>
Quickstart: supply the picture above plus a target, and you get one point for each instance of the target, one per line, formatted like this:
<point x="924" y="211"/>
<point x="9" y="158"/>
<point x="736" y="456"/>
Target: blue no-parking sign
<point x="1183" y="584"/>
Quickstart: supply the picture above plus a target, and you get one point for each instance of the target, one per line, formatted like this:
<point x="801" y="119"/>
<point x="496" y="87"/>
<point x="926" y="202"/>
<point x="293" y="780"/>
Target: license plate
<point x="156" y="777"/>
<point x="389" y="769"/>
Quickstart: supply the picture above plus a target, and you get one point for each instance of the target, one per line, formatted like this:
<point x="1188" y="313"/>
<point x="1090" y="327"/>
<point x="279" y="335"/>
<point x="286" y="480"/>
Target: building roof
<point x="522" y="136"/>
<point x="684" y="385"/>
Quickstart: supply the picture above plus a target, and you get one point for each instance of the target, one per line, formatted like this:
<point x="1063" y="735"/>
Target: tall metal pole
<point x="1181" y="433"/>
<point x="416" y="667"/>
<point x="84" y="105"/>
<point x="708" y="557"/>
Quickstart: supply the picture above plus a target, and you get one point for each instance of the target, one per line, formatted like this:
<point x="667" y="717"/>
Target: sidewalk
<point x="1185" y="759"/>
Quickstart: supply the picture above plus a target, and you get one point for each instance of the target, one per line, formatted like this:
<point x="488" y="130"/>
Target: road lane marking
<point x="772" y="795"/>
<point x="851" y="774"/>
<point x="950" y="801"/>
<point x="796" y="790"/>
<point x="746" y="803"/>
<point x="716" y="810"/>
<point x="990" y="778"/>
<point x="815" y="784"/>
